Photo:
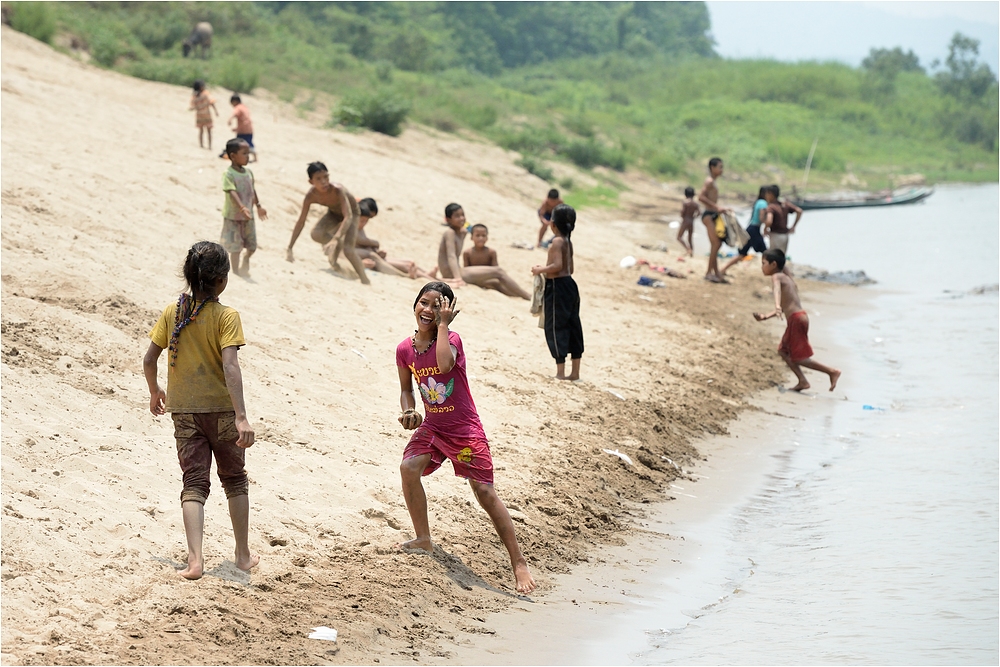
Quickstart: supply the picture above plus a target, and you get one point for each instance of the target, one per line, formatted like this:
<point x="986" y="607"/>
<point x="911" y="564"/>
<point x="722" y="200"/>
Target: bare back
<point x="449" y="250"/>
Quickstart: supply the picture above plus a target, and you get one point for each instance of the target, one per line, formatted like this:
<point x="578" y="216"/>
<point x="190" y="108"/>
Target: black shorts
<point x="756" y="241"/>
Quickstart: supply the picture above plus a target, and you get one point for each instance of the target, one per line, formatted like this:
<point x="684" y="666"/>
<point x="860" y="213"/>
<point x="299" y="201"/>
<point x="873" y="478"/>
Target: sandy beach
<point x="104" y="190"/>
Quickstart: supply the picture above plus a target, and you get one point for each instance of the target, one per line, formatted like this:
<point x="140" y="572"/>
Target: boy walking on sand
<point x="709" y="198"/>
<point x="794" y="348"/>
<point x="244" y="126"/>
<point x="689" y="209"/>
<point x="238" y="228"/>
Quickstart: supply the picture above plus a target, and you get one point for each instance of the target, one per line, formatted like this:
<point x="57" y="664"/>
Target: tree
<point x="965" y="79"/>
<point x="881" y="67"/>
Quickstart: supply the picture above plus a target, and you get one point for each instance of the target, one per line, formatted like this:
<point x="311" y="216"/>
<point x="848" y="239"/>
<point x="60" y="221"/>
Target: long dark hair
<point x="564" y="219"/>
<point x="205" y="265"/>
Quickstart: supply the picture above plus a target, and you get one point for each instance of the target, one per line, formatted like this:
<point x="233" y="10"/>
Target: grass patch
<point x="600" y="196"/>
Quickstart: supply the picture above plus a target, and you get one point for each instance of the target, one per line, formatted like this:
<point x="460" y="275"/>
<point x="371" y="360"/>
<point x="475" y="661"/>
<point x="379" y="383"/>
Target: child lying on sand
<point x="369" y="251"/>
<point x="450" y="249"/>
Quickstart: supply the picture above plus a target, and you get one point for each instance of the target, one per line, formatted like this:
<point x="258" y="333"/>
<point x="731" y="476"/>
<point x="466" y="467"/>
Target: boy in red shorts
<point x="435" y="358"/>
<point x="794" y="348"/>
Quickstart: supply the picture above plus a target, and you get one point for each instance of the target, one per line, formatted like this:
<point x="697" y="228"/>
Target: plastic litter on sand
<point x="615" y="452"/>
<point x="324" y="633"/>
<point x="627" y="262"/>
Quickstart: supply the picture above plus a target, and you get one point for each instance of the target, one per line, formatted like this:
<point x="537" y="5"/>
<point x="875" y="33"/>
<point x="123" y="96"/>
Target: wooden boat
<point x="860" y="199"/>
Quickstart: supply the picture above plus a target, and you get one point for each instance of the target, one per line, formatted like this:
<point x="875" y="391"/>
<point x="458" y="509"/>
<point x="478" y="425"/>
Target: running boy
<point x="238" y="228"/>
<point x="338" y="229"/>
<point x="203" y="106"/>
<point x="435" y="359"/>
<point x="205" y="396"/>
<point x="545" y="214"/>
<point x="450" y="249"/>
<point x="244" y="126"/>
<point x="689" y="209"/>
<point x="794" y="348"/>
<point x="709" y="198"/>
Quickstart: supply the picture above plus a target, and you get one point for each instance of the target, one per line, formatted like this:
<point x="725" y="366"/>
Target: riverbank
<point x="97" y="216"/>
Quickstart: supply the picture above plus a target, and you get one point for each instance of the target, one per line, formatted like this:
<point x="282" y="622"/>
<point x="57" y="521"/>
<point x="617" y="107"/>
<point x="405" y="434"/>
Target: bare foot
<point x="433" y="273"/>
<point x="420" y="544"/>
<point x="194" y="570"/>
<point x="802" y="386"/>
<point x="834" y="376"/>
<point x="248" y="564"/>
<point x="525" y="583"/>
<point x="412" y="271"/>
<point x="561" y="377"/>
<point x="573" y="378"/>
<point x="244" y="269"/>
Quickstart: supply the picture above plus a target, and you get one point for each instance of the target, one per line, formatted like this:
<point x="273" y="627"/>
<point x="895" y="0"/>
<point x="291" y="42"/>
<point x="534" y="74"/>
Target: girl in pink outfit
<point x="451" y="430"/>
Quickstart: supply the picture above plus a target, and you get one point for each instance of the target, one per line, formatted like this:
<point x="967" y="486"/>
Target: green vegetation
<point x="601" y="84"/>
<point x="35" y="19"/>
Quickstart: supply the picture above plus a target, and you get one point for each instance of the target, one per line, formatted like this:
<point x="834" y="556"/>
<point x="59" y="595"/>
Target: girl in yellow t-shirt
<point x="205" y="398"/>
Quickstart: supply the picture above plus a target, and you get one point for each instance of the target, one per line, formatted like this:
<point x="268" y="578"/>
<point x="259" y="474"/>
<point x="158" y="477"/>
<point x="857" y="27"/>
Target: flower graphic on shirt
<point x="465" y="456"/>
<point x="435" y="392"/>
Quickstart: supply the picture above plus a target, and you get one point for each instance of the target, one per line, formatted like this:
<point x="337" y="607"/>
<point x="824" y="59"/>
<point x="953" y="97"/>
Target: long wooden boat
<point x="859" y="199"/>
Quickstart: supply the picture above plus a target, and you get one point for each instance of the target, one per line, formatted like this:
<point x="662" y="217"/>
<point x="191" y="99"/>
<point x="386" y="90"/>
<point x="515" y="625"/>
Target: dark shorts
<point x="756" y="241"/>
<point x="563" y="330"/>
<point x="711" y="215"/>
<point x="547" y="216"/>
<point x="470" y="457"/>
<point x="247" y="138"/>
<point x="199" y="436"/>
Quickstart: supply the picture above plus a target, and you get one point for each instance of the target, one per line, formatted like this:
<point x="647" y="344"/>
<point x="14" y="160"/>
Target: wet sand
<point x="97" y="215"/>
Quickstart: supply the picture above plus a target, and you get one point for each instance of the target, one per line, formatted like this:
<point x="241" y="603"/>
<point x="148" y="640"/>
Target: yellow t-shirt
<point x="196" y="382"/>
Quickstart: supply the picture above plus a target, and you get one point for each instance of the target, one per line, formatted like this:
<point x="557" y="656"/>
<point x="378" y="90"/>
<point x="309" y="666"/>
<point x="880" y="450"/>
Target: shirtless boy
<point x="338" y="229"/>
<point x="689" y="209"/>
<point x="794" y="348"/>
<point x="709" y="198"/>
<point x="545" y="213"/>
<point x="479" y="254"/>
<point x="450" y="249"/>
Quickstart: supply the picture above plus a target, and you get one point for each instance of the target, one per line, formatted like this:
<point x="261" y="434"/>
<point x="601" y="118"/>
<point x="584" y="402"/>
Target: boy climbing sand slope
<point x="794" y="348"/>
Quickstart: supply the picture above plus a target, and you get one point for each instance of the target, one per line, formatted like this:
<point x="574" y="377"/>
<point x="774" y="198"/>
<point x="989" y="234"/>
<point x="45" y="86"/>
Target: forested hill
<point x="614" y="84"/>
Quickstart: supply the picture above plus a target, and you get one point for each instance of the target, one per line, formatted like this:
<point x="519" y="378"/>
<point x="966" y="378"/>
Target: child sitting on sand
<point x="689" y="209"/>
<point x="338" y="229"/>
<point x="479" y="254"/>
<point x="545" y="214"/>
<point x="435" y="359"/>
<point x="561" y="299"/>
<point x="238" y="228"/>
<point x="794" y="348"/>
<point x="202" y="105"/>
<point x="205" y="398"/>
<point x="450" y="249"/>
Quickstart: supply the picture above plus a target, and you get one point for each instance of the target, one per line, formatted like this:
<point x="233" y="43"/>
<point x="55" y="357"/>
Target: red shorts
<point x="795" y="342"/>
<point x="470" y="457"/>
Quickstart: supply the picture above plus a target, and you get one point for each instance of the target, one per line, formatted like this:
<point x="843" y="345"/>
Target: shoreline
<point x="671" y="568"/>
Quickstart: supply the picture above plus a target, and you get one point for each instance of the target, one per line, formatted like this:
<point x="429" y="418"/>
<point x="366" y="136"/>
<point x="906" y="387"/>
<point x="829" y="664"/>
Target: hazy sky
<point x="847" y="31"/>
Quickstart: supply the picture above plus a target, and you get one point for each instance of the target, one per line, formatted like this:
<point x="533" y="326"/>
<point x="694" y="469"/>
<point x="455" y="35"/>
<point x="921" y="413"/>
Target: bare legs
<point x="194" y="532"/>
<point x="729" y="264"/>
<point x="713" y="274"/>
<point x="416" y="502"/>
<point x="238" y="268"/>
<point x="484" y="276"/>
<point x="201" y="132"/>
<point x="689" y="244"/>
<point x="574" y="373"/>
<point x="803" y="384"/>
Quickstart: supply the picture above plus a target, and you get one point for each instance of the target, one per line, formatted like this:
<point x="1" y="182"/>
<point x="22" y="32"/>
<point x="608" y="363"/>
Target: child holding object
<point x="561" y="302"/>
<point x="239" y="231"/>
<point x="753" y="229"/>
<point x="794" y="348"/>
<point x="435" y="359"/>
<point x="205" y="398"/>
<point x="202" y="105"/>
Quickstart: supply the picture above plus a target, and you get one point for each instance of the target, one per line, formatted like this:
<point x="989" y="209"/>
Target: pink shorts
<point x="470" y="457"/>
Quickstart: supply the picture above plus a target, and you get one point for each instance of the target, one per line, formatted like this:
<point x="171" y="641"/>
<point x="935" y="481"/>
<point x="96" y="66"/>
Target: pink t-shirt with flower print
<point x="448" y="403"/>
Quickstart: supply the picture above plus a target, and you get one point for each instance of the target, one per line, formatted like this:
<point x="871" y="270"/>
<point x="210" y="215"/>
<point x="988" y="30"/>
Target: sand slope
<point x="104" y="188"/>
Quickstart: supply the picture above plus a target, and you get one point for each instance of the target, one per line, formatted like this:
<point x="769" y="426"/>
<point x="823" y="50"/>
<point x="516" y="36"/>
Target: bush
<point x="666" y="165"/>
<point x="587" y="154"/>
<point x="178" y="72"/>
<point x="478" y="118"/>
<point x="382" y="112"/>
<point x="238" y="76"/>
<point x="536" y="167"/>
<point x="106" y="46"/>
<point x="35" y="19"/>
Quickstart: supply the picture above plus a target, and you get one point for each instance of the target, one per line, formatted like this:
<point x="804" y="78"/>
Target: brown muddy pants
<point x="199" y="436"/>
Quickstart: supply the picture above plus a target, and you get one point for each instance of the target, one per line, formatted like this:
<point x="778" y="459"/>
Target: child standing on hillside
<point x="689" y="209"/>
<point x="709" y="198"/>
<point x="561" y="300"/>
<point x="545" y="214"/>
<point x="338" y="229"/>
<point x="238" y="228"/>
<point x="450" y="249"/>
<point x="794" y="348"/>
<point x="753" y="229"/>
<point x="435" y="359"/>
<point x="244" y="126"/>
<point x="203" y="106"/>
<point x="205" y="398"/>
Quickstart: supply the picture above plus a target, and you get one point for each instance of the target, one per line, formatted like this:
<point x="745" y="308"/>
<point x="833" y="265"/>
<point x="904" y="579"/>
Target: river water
<point x="876" y="539"/>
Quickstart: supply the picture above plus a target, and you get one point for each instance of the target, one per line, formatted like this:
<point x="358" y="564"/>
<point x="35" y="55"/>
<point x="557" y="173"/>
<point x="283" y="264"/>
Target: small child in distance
<point x="689" y="209"/>
<point x="545" y="215"/>
<point x="203" y="105"/>
<point x="479" y="254"/>
<point x="239" y="231"/>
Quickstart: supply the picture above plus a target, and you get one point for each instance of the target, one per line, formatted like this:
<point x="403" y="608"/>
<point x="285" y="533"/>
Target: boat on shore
<point x="861" y="199"/>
